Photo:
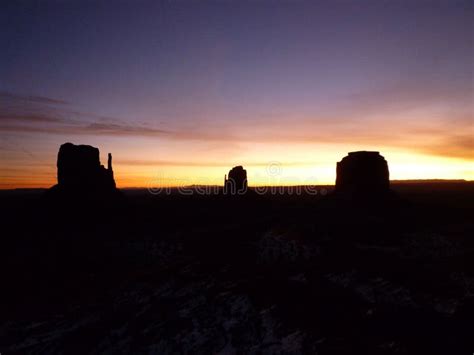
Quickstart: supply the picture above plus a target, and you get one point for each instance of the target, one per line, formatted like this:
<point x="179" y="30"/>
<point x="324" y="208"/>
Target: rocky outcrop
<point x="236" y="183"/>
<point x="362" y="173"/>
<point x="79" y="168"/>
<point x="85" y="194"/>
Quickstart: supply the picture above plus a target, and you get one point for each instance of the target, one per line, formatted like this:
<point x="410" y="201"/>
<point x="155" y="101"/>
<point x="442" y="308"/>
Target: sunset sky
<point x="181" y="91"/>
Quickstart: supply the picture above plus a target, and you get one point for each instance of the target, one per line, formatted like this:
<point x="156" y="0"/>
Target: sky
<point x="181" y="91"/>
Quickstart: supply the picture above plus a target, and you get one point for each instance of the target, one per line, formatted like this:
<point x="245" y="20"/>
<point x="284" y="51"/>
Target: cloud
<point x="453" y="145"/>
<point x="189" y="163"/>
<point x="116" y="129"/>
<point x="448" y="134"/>
<point x="28" y="117"/>
<point x="95" y="129"/>
<point x="11" y="97"/>
<point x="36" y="114"/>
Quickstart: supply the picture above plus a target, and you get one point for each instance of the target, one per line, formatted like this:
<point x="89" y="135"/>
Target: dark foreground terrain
<point x="273" y="274"/>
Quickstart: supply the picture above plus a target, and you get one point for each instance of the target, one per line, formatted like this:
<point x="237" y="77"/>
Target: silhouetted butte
<point x="79" y="168"/>
<point x="81" y="175"/>
<point x="362" y="173"/>
<point x="236" y="183"/>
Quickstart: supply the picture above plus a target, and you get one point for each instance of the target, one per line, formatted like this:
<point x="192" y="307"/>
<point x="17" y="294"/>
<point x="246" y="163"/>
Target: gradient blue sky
<point x="182" y="90"/>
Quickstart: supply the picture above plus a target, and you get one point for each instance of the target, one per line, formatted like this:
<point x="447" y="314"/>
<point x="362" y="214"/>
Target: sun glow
<point x="316" y="171"/>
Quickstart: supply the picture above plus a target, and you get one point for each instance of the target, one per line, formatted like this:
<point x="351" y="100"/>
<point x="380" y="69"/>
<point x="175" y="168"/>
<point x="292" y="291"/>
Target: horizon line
<point x="397" y="181"/>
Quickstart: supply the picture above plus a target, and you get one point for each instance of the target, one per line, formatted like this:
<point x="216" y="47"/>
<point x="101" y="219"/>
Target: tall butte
<point x="236" y="183"/>
<point x="362" y="172"/>
<point x="79" y="168"/>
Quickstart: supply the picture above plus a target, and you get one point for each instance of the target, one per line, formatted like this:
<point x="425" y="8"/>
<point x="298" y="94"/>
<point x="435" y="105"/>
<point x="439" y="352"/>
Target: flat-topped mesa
<point x="236" y="183"/>
<point x="362" y="172"/>
<point x="79" y="168"/>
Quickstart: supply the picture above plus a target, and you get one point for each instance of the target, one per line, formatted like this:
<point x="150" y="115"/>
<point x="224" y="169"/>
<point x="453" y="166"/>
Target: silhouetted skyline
<point x="184" y="90"/>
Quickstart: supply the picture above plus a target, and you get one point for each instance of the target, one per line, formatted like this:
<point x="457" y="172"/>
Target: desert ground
<point x="260" y="274"/>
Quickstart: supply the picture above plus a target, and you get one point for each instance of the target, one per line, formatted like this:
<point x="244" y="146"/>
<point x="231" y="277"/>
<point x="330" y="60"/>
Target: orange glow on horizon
<point x="310" y="169"/>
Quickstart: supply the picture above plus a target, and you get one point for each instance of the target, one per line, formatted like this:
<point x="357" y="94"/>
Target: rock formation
<point x="237" y="181"/>
<point x="85" y="194"/>
<point x="79" y="168"/>
<point x="362" y="173"/>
